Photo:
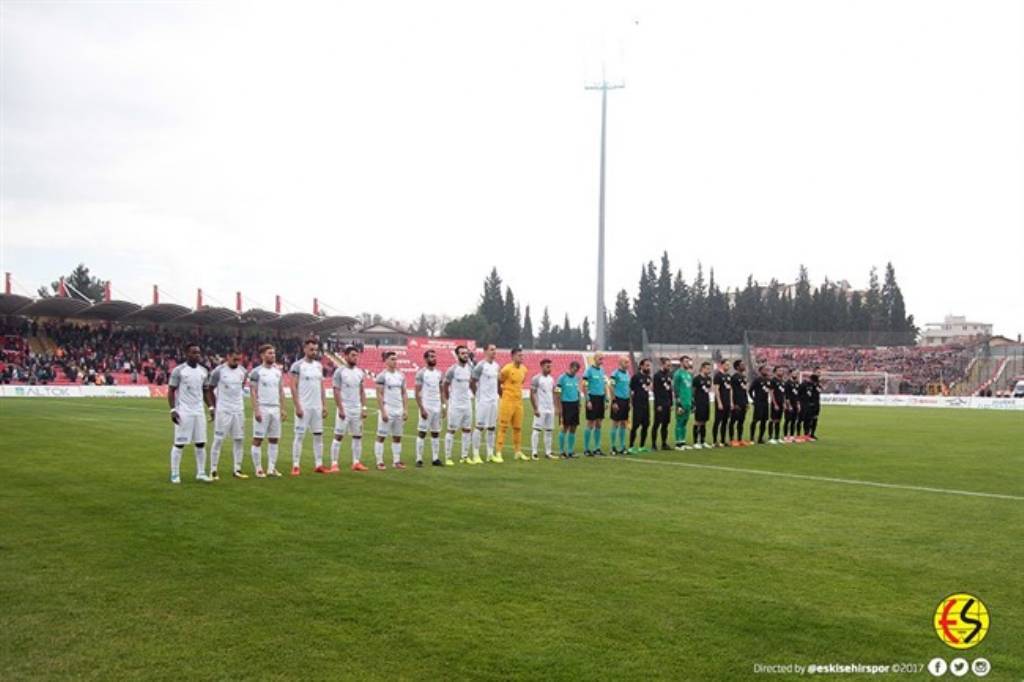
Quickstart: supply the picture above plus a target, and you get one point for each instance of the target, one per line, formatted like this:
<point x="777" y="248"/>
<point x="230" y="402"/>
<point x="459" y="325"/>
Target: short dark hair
<point x="664" y="360"/>
<point x="349" y="349"/>
<point x="264" y="347"/>
<point x="234" y="351"/>
<point x="311" y="340"/>
<point x="515" y="349"/>
<point x="685" y="357"/>
<point x="461" y="347"/>
<point x="491" y="345"/>
<point x="388" y="354"/>
<point x="190" y="345"/>
<point x="705" y="364"/>
<point x="574" y="365"/>
<point x="723" y="361"/>
<point x="736" y="364"/>
<point x="428" y="352"/>
<point x="545" y="361"/>
<point x="643" y="360"/>
<point x="776" y="368"/>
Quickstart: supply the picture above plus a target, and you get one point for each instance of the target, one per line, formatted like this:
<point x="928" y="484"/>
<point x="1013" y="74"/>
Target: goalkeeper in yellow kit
<point x="510" y="407"/>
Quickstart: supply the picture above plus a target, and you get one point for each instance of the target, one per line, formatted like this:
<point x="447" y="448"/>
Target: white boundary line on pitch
<point x="826" y="479"/>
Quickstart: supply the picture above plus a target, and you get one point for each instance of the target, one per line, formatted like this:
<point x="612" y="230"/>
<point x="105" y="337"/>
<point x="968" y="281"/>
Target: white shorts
<point x="229" y="425"/>
<point x="545" y="421"/>
<point x="487" y="414"/>
<point x="311" y="420"/>
<point x="433" y="421"/>
<point x="270" y="427"/>
<point x="352" y="424"/>
<point x="394" y="426"/>
<point x="460" y="418"/>
<point x="191" y="428"/>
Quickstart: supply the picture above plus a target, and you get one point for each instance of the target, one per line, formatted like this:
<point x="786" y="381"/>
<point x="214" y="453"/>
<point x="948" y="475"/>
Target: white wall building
<point x="954" y="329"/>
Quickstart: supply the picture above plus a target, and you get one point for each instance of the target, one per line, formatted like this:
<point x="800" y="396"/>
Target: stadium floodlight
<point x="604" y="86"/>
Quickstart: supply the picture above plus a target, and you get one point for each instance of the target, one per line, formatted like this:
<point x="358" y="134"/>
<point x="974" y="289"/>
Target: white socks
<point x="396" y="453"/>
<point x="435" y="448"/>
<point x="378" y="451"/>
<point x="297" y="449"/>
<point x="318" y="449"/>
<point x="477" y="437"/>
<point x="547" y="442"/>
<point x="534" y="441"/>
<point x="490" y="443"/>
<point x="176" y="453"/>
<point x="419" y="449"/>
<point x="257" y="458"/>
<point x="215" y="452"/>
<point x="449" y="441"/>
<point x="271" y="456"/>
<point x="357" y="449"/>
<point x="200" y="459"/>
<point x="236" y="452"/>
<point x="465" y="445"/>
<point x="335" y="451"/>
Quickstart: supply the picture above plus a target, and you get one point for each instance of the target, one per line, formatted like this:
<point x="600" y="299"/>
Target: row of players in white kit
<point x="222" y="390"/>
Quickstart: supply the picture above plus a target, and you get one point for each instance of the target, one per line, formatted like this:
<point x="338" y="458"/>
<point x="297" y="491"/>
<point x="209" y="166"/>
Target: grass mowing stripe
<point x="826" y="479"/>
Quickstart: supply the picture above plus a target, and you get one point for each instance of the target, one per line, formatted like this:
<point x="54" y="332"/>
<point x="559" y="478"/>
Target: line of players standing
<point x="785" y="409"/>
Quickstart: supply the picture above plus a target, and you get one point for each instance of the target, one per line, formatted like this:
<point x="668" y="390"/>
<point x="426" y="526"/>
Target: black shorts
<point x="571" y="414"/>
<point x="663" y="413"/>
<point x="596" y="409"/>
<point x="701" y="412"/>
<point x="641" y="412"/>
<point x="760" y="411"/>
<point x="724" y="412"/>
<point x="620" y="409"/>
<point x="776" y="414"/>
<point x="790" y="415"/>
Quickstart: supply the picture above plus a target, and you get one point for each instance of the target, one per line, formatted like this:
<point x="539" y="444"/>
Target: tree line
<point x="673" y="310"/>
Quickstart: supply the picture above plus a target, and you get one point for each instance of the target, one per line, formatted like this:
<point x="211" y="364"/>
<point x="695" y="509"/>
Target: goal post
<point x="882" y="383"/>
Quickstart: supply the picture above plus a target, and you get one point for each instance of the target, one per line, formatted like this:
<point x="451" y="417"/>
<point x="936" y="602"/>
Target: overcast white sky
<point x="383" y="156"/>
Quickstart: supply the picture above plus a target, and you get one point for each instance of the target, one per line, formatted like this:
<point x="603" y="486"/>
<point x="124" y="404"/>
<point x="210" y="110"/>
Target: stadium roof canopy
<point x="208" y="315"/>
<point x="109" y="310"/>
<point x="333" y="323"/>
<point x="12" y="303"/>
<point x="292" y="321"/>
<point x="55" y="306"/>
<point x="258" y="316"/>
<point x="126" y="312"/>
<point x="157" y="312"/>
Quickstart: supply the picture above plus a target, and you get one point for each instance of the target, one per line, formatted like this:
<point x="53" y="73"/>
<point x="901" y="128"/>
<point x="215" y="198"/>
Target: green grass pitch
<point x="586" y="569"/>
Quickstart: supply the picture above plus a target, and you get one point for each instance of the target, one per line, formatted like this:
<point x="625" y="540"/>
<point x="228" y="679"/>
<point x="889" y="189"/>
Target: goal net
<point x="875" y="383"/>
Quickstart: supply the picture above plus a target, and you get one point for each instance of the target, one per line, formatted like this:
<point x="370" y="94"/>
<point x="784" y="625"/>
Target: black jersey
<point x="791" y="389"/>
<point x="810" y="393"/>
<point x="724" y="386"/>
<point x="701" y="390"/>
<point x="778" y="394"/>
<point x="759" y="390"/>
<point x="662" y="387"/>
<point x="640" y="388"/>
<point x="739" y="389"/>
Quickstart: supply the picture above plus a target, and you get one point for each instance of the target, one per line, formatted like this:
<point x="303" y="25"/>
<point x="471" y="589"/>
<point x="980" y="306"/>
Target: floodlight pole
<point x="604" y="86"/>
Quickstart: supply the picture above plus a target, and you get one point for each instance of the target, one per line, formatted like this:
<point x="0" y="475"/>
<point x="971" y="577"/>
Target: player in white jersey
<point x="267" y="388"/>
<point x="308" y="398"/>
<point x="542" y="396"/>
<point x="485" y="388"/>
<point x="456" y="396"/>
<point x="350" y="398"/>
<point x="187" y="390"/>
<point x="391" y="417"/>
<point x="428" y="400"/>
<point x="227" y="383"/>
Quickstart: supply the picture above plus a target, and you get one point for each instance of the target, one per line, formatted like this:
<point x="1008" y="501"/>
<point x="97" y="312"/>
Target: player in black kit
<point x="663" y="401"/>
<point x="640" y="394"/>
<point x="791" y="408"/>
<point x="723" y="405"/>
<point x="701" y="405"/>
<point x="810" y="405"/>
<point x="778" y="399"/>
<point x="740" y="399"/>
<point x="760" y="393"/>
